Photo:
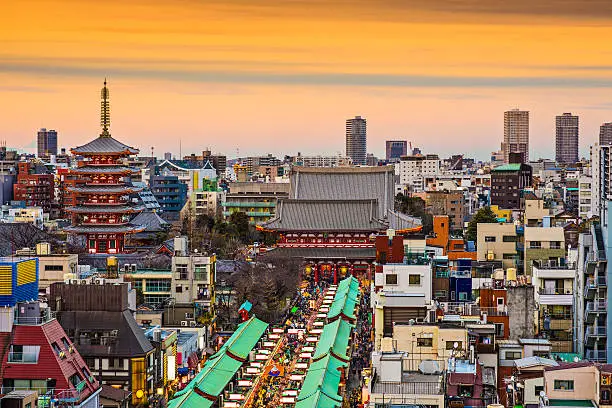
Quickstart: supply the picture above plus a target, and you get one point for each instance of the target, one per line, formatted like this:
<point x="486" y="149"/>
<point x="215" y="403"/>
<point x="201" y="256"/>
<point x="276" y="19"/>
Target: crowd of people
<point x="362" y="349"/>
<point x="296" y="317"/>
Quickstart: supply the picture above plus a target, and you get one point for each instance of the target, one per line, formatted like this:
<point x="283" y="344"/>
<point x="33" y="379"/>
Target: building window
<point x="535" y="244"/>
<point x="564" y="385"/>
<point x="54" y="268"/>
<point x="499" y="329"/>
<point x="508" y="256"/>
<point x="451" y="345"/>
<point x="513" y="355"/>
<point x="538" y="389"/>
<point x="555" y="244"/>
<point x="466" y="391"/>
<point x="115" y="363"/>
<point x="181" y="272"/>
<point x="489" y="239"/>
<point x="509" y="238"/>
<point x="391" y="279"/>
<point x="414" y="279"/>
<point x="179" y="288"/>
<point x="424" y="342"/>
<point x="158" y="285"/>
<point x="463" y="296"/>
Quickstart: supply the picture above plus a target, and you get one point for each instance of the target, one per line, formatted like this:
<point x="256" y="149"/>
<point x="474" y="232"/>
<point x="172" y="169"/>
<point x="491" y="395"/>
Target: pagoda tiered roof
<point x="102" y="209"/>
<point x="110" y="169"/>
<point x="102" y="189"/>
<point x="105" y="229"/>
<point x="105" y="145"/>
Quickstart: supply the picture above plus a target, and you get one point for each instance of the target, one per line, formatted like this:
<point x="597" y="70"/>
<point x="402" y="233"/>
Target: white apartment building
<point x="416" y="172"/>
<point x="193" y="276"/>
<point x="402" y="294"/>
<point x="585" y="197"/>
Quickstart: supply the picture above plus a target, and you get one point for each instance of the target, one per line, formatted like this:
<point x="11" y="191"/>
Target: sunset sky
<point x="281" y="76"/>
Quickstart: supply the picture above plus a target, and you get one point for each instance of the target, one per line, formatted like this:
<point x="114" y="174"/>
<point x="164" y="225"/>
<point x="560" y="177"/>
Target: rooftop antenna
<point x="105" y="111"/>
<point x="152" y="148"/>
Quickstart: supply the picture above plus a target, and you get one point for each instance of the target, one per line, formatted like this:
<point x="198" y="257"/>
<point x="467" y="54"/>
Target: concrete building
<point x="34" y="186"/>
<point x="497" y="242"/>
<point x="47" y="143"/>
<point x="507" y="184"/>
<point x="584" y="197"/>
<point x="535" y="212"/>
<point x="356" y="140"/>
<point x="322" y="161"/>
<point x="257" y="200"/>
<point x="395" y="149"/>
<point x="545" y="245"/>
<point x="402" y="291"/>
<point x="516" y="134"/>
<point x="605" y="134"/>
<point x="554" y="295"/>
<point x="193" y="279"/>
<point x="448" y="203"/>
<point x="169" y="191"/>
<point x="566" y="140"/>
<point x="416" y="172"/>
<point x="572" y="384"/>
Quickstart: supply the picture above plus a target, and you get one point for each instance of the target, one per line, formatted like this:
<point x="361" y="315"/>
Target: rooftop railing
<point x="45" y="317"/>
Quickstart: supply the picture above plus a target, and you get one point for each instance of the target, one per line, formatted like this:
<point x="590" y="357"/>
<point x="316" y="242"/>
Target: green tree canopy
<point x="483" y="216"/>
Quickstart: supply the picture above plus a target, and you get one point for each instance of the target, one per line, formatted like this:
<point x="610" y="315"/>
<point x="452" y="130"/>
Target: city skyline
<point x="202" y="72"/>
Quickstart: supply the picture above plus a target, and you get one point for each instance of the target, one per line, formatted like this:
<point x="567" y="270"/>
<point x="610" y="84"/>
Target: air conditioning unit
<point x="193" y="323"/>
<point x="184" y="323"/>
<point x="99" y="281"/>
<point x="420" y="320"/>
<point x="74" y="281"/>
<point x="133" y="267"/>
<point x="83" y="281"/>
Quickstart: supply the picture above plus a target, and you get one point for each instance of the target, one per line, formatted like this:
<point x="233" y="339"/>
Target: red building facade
<point x="101" y="209"/>
<point x="35" y="189"/>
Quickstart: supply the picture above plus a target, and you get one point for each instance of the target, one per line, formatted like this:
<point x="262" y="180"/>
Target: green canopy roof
<point x="345" y="299"/>
<point x="322" y="381"/>
<point x="334" y="338"/>
<point x="320" y="388"/>
<point x="221" y="367"/>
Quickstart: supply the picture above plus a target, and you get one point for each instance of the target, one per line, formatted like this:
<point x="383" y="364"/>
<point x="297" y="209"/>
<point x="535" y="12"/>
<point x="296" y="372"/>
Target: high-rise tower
<point x="516" y="134"/>
<point x="47" y="142"/>
<point x="566" y="141"/>
<point x="605" y="134"/>
<point x="356" y="141"/>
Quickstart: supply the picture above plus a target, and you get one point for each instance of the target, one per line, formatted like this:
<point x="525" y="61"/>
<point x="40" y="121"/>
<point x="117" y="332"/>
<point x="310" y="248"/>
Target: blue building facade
<point x="18" y="281"/>
<point x="170" y="192"/>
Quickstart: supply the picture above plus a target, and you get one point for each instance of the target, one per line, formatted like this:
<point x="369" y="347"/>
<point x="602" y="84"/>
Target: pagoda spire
<point x="105" y="111"/>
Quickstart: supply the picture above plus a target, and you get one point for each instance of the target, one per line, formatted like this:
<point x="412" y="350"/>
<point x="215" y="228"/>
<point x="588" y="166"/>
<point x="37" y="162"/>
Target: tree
<point x="414" y="206"/>
<point x="240" y="221"/>
<point x="483" y="216"/>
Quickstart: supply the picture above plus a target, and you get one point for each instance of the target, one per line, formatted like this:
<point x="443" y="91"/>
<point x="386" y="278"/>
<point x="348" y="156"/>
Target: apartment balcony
<point x="595" y="334"/>
<point x="596" y="355"/>
<point x="558" y="322"/>
<point x="548" y="296"/>
<point x="249" y="204"/>
<point x="45" y="317"/>
<point x="595" y="308"/>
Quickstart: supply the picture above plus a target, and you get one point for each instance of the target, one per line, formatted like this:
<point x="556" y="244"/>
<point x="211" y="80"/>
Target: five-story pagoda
<point x="102" y="209"/>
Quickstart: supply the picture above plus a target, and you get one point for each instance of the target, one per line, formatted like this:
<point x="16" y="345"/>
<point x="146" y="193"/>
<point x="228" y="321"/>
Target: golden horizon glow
<point x="282" y="76"/>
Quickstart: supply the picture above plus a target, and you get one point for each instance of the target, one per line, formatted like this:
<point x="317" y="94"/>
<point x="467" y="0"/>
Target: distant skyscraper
<point x="566" y="145"/>
<point x="396" y="149"/>
<point x="47" y="143"/>
<point x="167" y="156"/>
<point x="516" y="134"/>
<point x="356" y="140"/>
<point x="605" y="134"/>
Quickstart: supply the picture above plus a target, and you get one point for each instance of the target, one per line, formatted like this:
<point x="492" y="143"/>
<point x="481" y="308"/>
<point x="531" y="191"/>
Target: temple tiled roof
<point x="351" y="183"/>
<point x="104" y="229"/>
<point x="326" y="215"/>
<point x="323" y="253"/>
<point x="93" y="209"/>
<point x="104" y="170"/>
<point x="104" y="189"/>
<point x="104" y="144"/>
<point x="151" y="221"/>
